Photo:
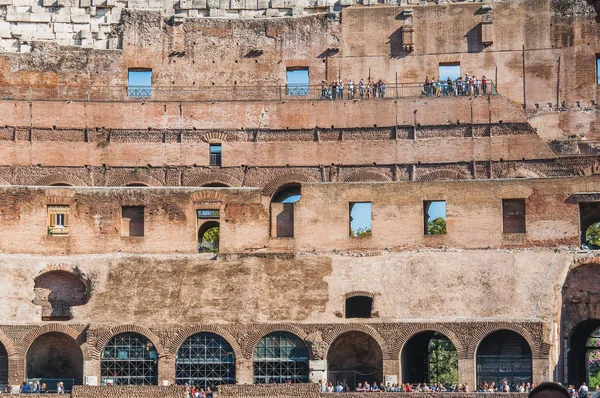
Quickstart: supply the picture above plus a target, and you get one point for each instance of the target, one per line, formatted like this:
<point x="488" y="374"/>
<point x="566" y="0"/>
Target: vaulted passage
<point x="353" y="358"/>
<point x="205" y="360"/>
<point x="129" y="359"/>
<point x="55" y="357"/>
<point x="3" y="367"/>
<point x="429" y="357"/>
<point x="504" y="356"/>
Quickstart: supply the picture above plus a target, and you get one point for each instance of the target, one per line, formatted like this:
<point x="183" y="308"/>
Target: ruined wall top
<point x="96" y="23"/>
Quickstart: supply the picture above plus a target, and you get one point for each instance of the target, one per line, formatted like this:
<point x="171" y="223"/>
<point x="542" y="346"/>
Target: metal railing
<point x="235" y="93"/>
<point x="570" y="147"/>
<point x="215" y="159"/>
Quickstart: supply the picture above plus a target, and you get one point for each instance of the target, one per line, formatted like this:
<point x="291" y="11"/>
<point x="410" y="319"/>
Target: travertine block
<point x="39" y="17"/>
<point x="272" y="12"/>
<point x="251" y="4"/>
<point x="263" y="4"/>
<point x="297" y="11"/>
<point x="277" y="3"/>
<point x="80" y="19"/>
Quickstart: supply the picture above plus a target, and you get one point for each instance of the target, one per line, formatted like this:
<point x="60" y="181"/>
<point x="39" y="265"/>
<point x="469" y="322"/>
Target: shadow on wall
<point x="474" y="40"/>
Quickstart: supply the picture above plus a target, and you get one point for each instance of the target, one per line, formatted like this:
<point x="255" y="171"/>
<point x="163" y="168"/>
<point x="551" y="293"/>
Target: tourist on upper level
<point x="484" y="85"/>
<point x="339" y="388"/>
<point x="340" y="89"/>
<point x="25" y="389"/>
<point x="361" y="88"/>
<point x="583" y="391"/>
<point x="350" y="89"/>
<point x="381" y="89"/>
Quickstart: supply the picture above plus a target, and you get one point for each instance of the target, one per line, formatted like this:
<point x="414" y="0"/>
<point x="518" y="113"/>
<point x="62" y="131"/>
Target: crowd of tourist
<point x="470" y="85"/>
<point x="37" y="388"/>
<point x="198" y="392"/>
<point x="337" y="90"/>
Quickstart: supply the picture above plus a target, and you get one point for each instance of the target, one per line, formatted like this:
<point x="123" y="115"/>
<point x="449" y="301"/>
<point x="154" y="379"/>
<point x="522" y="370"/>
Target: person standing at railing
<point x="476" y="85"/>
<point x="361" y="88"/>
<point x="484" y="85"/>
<point x="375" y="90"/>
<point x="350" y="89"/>
<point x="382" y="88"/>
<point x="341" y="89"/>
<point x="369" y="89"/>
<point x="333" y="90"/>
<point x="323" y="89"/>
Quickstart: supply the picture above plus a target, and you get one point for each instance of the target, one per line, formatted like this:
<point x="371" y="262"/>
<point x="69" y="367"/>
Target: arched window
<point x="504" y="356"/>
<point x="353" y="358"/>
<point x="282" y="210"/>
<point x="593" y="358"/>
<point x="208" y="237"/>
<point x="129" y="359"/>
<point x="3" y="366"/>
<point x="359" y="307"/>
<point x="280" y="357"/>
<point x="205" y="360"/>
<point x="56" y="292"/>
<point x="429" y="357"/>
<point x="55" y="357"/>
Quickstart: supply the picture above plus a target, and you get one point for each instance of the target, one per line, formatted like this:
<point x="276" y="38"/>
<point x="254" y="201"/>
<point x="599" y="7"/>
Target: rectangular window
<point x="208" y="214"/>
<point x="297" y="82"/>
<point x="132" y="221"/>
<point x="360" y="219"/>
<point x="139" y="83"/>
<point x="215" y="155"/>
<point x="513" y="216"/>
<point x="434" y="212"/>
<point x="449" y="70"/>
<point x="58" y="220"/>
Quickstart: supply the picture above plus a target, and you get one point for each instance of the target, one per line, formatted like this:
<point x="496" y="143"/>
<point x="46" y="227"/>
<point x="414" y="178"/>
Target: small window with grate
<point x="215" y="155"/>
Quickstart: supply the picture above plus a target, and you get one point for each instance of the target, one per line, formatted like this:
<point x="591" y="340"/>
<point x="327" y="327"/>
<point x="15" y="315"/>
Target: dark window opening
<point x="359" y="307"/>
<point x="360" y="218"/>
<point x="3" y="366"/>
<point x="435" y="217"/>
<point x="139" y="83"/>
<point x="282" y="211"/>
<point x="132" y="221"/>
<point x="215" y="155"/>
<point x="597" y="68"/>
<point x="298" y="82"/>
<point x="589" y="216"/>
<point x="354" y="357"/>
<point x="208" y="237"/>
<point x="513" y="216"/>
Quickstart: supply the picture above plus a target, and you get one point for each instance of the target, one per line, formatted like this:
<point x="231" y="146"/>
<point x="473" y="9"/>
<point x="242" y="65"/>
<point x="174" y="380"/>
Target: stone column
<point x="391" y="367"/>
<point x="540" y="370"/>
<point x="16" y="371"/>
<point x="466" y="372"/>
<point x="318" y="370"/>
<point x="91" y="369"/>
<point x="166" y="369"/>
<point x="244" y="371"/>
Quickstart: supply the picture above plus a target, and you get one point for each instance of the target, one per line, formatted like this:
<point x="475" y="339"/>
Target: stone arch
<point x="252" y="341"/>
<point x="520" y="172"/>
<point x="8" y="344"/>
<point x="538" y="350"/>
<point x="330" y="335"/>
<point x="367" y="176"/>
<point x="206" y="196"/>
<point x="215" y="137"/>
<point x="355" y="356"/>
<point x="186" y="333"/>
<point x="56" y="355"/>
<point x="289" y="178"/>
<point x="33" y="334"/>
<point x="415" y="329"/>
<point x="444" y="174"/>
<point x="214" y="178"/>
<point x="61" y="179"/>
<point x="58" y="289"/>
<point x="415" y="355"/>
<point x="110" y="333"/>
<point x="134" y="179"/>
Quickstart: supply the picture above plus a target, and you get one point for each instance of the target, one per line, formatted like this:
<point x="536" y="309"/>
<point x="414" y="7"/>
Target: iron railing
<point x="215" y="159"/>
<point x="570" y="147"/>
<point x="233" y="93"/>
<point x="349" y="379"/>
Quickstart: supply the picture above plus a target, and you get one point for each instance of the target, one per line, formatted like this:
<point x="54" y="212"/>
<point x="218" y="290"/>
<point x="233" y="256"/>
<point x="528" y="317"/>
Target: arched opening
<point x="430" y="357"/>
<point x="580" y="318"/>
<point x="208" y="237"/>
<point x="216" y="185"/>
<point x="129" y="359"/>
<point x="3" y="367"/>
<point x="359" y="307"/>
<point x="53" y="358"/>
<point x="205" y="360"/>
<point x="282" y="210"/>
<point x="56" y="292"/>
<point x="583" y="361"/>
<point x="354" y="357"/>
<point x="504" y="356"/>
<point x="280" y="357"/>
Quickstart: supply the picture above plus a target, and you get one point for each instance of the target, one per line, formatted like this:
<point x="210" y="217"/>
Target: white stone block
<point x="193" y="13"/>
<point x="80" y="19"/>
<point x="277" y="3"/>
<point x="87" y="43"/>
<point x="236" y="4"/>
<point x="185" y="4"/>
<point x="39" y="17"/>
<point x="5" y="30"/>
<point x="297" y="11"/>
<point x="263" y="4"/>
<point x="93" y="11"/>
<point x="49" y="3"/>
<point x="251" y="4"/>
<point x="64" y="36"/>
<point x="272" y="12"/>
<point x="61" y="18"/>
<point x="77" y="11"/>
<point x="25" y="48"/>
<point x="212" y="4"/>
<point x="199" y="4"/>
<point x="101" y="44"/>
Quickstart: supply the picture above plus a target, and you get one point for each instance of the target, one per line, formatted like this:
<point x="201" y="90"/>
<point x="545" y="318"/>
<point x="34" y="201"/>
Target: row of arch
<point x="217" y="179"/>
<point x="209" y="359"/>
